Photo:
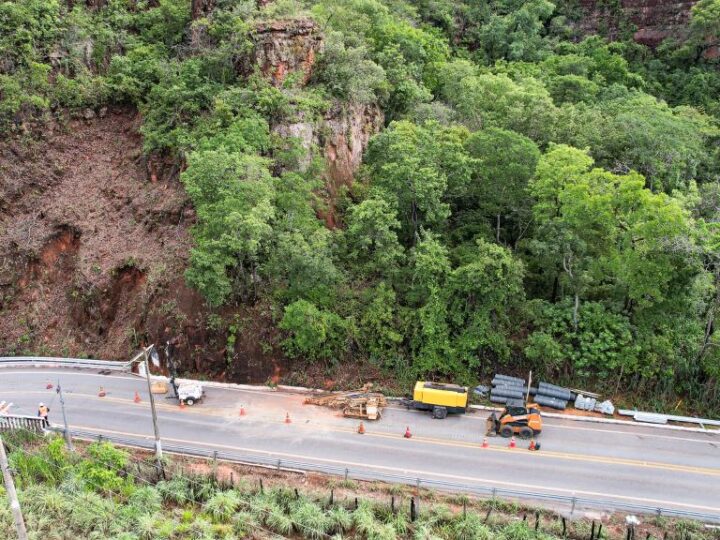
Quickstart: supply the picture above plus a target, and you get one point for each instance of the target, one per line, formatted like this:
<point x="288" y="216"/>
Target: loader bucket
<point x="492" y="424"/>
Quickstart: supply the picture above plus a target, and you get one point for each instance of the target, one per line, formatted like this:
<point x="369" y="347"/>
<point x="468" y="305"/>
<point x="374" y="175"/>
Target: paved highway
<point x="633" y="464"/>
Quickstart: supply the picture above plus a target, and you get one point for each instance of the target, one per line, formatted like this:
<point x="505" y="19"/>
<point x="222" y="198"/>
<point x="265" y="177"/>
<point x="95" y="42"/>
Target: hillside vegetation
<point x="537" y="199"/>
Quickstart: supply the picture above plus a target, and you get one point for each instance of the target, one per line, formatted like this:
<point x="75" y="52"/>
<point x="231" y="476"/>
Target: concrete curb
<point x="614" y="421"/>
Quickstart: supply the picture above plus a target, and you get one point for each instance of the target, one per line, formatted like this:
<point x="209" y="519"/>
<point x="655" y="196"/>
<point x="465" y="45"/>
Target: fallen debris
<point x="360" y="403"/>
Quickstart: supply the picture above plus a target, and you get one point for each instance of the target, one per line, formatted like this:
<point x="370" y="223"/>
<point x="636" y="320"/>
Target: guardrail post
<point x="346" y="474"/>
<point x="278" y="465"/>
<point x="572" y="508"/>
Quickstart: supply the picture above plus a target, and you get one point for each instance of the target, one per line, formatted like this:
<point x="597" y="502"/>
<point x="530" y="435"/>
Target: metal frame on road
<point x="563" y="503"/>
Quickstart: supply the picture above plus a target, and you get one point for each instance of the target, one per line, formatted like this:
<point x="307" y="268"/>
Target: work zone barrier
<point x="48" y="361"/>
<point x="564" y="503"/>
<point x="21" y="422"/>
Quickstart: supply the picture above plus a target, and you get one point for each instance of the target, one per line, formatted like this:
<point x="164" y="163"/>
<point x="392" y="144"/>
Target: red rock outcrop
<point x="655" y="19"/>
<point x="284" y="47"/>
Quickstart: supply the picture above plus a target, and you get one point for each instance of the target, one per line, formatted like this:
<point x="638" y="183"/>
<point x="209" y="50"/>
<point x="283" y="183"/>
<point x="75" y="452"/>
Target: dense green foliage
<point x="537" y="199"/>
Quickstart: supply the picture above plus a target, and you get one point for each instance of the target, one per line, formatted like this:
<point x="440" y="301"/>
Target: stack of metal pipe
<point x="550" y="395"/>
<point x="507" y="389"/>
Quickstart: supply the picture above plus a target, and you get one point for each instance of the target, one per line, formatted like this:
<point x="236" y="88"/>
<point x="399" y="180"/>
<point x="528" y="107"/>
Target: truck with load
<point x="440" y="398"/>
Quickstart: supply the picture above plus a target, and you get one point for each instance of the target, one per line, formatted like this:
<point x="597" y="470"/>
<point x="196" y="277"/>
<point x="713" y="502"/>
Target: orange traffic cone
<point x="182" y="404"/>
<point x="512" y="442"/>
<point x="532" y="445"/>
<point x="101" y="393"/>
<point x="49" y="386"/>
<point x="242" y="411"/>
<point x="485" y="443"/>
<point x="361" y="428"/>
<point x="136" y="399"/>
<point x="407" y="433"/>
<point x="287" y="418"/>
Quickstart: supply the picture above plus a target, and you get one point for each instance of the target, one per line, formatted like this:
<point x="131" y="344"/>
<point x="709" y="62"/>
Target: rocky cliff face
<point x="283" y="48"/>
<point x="654" y="19"/>
<point x="288" y="48"/>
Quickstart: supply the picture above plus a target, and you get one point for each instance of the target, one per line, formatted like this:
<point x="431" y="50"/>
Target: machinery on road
<point x="361" y="403"/>
<point x="188" y="393"/>
<point x="440" y="398"/>
<point x="523" y="420"/>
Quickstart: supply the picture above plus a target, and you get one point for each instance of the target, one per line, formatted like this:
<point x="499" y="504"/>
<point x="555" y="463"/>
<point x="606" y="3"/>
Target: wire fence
<point x="570" y="504"/>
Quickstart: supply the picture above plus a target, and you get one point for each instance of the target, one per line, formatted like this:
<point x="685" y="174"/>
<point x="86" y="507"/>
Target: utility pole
<point x="68" y="437"/>
<point x="12" y="494"/>
<point x="527" y="396"/>
<point x="158" y="444"/>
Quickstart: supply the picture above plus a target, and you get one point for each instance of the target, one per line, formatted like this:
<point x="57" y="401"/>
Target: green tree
<point x="482" y="293"/>
<point x="314" y="333"/>
<point x="418" y="168"/>
<point x="371" y="238"/>
<point x="505" y="163"/>
<point x="233" y="195"/>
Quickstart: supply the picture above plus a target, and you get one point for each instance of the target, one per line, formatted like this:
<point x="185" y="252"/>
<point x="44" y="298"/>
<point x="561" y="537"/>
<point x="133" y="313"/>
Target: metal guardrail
<point x="48" y="361"/>
<point x="30" y="423"/>
<point x="270" y="461"/>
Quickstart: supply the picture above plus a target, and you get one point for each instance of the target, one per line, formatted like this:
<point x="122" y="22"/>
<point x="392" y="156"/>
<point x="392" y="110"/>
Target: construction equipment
<point x="440" y="398"/>
<point x="522" y="420"/>
<point x="360" y="403"/>
<point x="189" y="393"/>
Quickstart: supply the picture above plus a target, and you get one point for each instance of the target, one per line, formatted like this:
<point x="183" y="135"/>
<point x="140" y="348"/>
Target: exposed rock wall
<point x="655" y="19"/>
<point x="201" y="8"/>
<point x="345" y="134"/>
<point x="282" y="48"/>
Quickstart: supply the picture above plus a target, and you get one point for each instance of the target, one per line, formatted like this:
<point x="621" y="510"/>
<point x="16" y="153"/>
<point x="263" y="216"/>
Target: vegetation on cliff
<point x="537" y="199"/>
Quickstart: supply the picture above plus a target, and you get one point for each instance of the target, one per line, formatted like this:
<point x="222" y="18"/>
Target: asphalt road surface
<point x="633" y="464"/>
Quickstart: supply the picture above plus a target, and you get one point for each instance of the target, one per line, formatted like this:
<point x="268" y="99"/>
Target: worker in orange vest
<point x="43" y="411"/>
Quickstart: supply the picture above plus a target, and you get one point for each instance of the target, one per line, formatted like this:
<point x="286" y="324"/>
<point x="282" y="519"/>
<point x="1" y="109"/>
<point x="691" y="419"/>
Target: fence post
<point x="413" y="513"/>
<point x="417" y="490"/>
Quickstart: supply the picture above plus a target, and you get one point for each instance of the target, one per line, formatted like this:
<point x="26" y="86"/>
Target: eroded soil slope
<point x="93" y="245"/>
<point x="85" y="238"/>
